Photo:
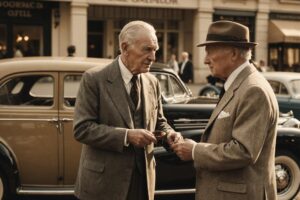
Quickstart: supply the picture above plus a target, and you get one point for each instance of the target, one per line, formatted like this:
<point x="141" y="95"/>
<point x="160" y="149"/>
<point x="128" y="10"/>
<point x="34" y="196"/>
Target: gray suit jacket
<point x="236" y="157"/>
<point x="102" y="115"/>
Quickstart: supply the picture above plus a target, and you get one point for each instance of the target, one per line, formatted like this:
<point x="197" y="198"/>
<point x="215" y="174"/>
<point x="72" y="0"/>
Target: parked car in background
<point x="38" y="154"/>
<point x="286" y="86"/>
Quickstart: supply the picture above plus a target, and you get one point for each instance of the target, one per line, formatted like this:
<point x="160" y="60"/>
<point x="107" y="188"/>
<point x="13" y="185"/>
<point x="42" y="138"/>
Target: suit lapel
<point x="229" y="94"/>
<point x="146" y="98"/>
<point x="117" y="93"/>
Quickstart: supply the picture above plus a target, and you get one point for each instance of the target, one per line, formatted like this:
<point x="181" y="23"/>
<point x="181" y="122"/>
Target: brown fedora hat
<point x="228" y="32"/>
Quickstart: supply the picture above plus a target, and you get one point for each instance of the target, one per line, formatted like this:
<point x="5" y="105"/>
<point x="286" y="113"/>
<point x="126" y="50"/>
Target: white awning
<point x="284" y="31"/>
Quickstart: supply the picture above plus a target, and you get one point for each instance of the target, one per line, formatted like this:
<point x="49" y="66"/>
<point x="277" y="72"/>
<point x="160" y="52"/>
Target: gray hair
<point x="131" y="30"/>
<point x="245" y="53"/>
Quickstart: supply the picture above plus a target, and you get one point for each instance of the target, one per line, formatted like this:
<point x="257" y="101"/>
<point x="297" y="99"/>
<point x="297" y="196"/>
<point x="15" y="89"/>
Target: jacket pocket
<point x="94" y="166"/>
<point x="232" y="187"/>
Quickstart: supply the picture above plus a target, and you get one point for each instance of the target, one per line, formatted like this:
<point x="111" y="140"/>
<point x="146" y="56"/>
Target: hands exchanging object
<point x="182" y="147"/>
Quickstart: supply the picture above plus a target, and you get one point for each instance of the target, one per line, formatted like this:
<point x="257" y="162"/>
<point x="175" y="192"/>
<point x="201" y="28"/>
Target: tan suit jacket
<point x="235" y="159"/>
<point x="102" y="115"/>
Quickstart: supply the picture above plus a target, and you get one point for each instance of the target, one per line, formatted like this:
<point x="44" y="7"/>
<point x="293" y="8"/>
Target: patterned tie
<point x="134" y="91"/>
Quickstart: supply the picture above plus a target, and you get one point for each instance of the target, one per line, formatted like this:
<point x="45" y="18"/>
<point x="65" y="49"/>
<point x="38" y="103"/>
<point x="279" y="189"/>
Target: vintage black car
<point x="38" y="154"/>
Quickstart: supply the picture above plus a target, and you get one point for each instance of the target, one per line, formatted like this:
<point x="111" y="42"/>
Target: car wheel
<point x="287" y="175"/>
<point x="3" y="186"/>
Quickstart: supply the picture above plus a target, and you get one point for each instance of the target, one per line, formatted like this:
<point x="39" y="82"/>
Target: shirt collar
<point x="234" y="74"/>
<point x="125" y="73"/>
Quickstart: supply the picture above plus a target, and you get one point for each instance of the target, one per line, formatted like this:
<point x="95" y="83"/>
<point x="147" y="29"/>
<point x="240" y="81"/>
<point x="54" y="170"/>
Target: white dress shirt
<point x="126" y="76"/>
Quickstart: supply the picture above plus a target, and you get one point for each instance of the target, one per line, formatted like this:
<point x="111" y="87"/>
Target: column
<point x="78" y="27"/>
<point x="261" y="30"/>
<point x="202" y="20"/>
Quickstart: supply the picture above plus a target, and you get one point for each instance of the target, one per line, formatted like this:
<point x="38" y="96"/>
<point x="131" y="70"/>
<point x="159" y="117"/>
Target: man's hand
<point x="140" y="137"/>
<point x="174" y="137"/>
<point x="184" y="149"/>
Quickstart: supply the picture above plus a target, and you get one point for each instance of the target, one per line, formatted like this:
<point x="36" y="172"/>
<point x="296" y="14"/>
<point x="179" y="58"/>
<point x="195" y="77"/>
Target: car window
<point x="278" y="88"/>
<point x="170" y="87"/>
<point x="27" y="90"/>
<point x="71" y="86"/>
<point x="295" y="85"/>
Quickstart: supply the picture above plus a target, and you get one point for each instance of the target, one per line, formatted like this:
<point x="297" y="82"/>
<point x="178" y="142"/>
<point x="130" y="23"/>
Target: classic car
<point x="286" y="86"/>
<point x="39" y="155"/>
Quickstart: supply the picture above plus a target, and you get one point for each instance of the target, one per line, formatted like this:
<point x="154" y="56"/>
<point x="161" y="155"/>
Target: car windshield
<point x="295" y="85"/>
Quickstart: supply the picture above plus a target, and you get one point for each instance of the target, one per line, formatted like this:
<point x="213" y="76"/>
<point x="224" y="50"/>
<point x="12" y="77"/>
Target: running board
<point x="65" y="191"/>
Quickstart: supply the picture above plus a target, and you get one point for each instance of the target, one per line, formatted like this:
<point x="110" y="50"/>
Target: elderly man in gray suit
<point x="117" y="109"/>
<point x="236" y="156"/>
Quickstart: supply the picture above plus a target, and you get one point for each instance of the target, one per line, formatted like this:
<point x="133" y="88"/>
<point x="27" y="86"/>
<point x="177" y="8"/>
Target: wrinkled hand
<point x="174" y="137"/>
<point x="184" y="149"/>
<point x="140" y="137"/>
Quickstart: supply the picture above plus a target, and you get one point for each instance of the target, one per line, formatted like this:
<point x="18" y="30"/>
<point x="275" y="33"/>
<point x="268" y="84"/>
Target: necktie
<point x="134" y="91"/>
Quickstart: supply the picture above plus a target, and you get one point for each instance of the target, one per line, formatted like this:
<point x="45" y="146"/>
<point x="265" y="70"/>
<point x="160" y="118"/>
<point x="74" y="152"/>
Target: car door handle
<point x="66" y="120"/>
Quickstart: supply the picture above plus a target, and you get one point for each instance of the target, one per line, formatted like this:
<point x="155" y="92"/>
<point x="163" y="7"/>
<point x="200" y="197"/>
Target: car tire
<point x="3" y="186"/>
<point x="287" y="175"/>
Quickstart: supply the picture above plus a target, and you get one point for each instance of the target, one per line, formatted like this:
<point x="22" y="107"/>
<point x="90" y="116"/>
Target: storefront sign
<point x="148" y="1"/>
<point x="21" y="9"/>
<point x="178" y="4"/>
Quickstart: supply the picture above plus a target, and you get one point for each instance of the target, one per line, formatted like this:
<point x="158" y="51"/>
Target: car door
<point x="28" y="125"/>
<point x="69" y="84"/>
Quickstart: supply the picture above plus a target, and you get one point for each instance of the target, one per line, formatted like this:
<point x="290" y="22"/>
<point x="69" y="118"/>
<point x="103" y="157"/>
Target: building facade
<point x="46" y="28"/>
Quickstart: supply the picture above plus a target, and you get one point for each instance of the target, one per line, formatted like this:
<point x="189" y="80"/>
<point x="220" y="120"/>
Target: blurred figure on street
<point x="71" y="49"/>
<point x="173" y="63"/>
<point x="186" y="68"/>
<point x="18" y="52"/>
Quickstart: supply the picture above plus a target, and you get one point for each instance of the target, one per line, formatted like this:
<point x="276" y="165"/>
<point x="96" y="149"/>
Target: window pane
<point x="35" y="90"/>
<point x="2" y="41"/>
<point x="71" y="86"/>
<point x="178" y="90"/>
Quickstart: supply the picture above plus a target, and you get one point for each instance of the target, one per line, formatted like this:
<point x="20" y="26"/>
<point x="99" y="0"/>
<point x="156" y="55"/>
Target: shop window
<point x="3" y="45"/>
<point x="28" y="40"/>
<point x="71" y="87"/>
<point x="95" y="39"/>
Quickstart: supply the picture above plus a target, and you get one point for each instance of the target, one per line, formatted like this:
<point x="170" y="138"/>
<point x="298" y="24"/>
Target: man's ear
<point x="235" y="54"/>
<point x="124" y="47"/>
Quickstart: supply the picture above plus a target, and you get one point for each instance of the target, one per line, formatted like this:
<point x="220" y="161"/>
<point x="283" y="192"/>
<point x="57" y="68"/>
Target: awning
<point x="284" y="31"/>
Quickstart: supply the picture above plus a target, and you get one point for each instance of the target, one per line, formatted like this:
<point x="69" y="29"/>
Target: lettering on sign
<point x="20" y="9"/>
<point x="21" y="5"/>
<point x="148" y="1"/>
<point x="19" y="13"/>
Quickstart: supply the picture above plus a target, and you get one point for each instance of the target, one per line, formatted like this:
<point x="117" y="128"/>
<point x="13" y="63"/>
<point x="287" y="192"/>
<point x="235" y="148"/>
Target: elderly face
<point x="220" y="59"/>
<point x="139" y="56"/>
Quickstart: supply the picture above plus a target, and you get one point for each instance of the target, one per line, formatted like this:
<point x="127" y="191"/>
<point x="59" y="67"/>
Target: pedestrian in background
<point x="236" y="155"/>
<point x="18" y="51"/>
<point x="117" y="110"/>
<point x="173" y="63"/>
<point x="71" y="50"/>
<point x="186" y="68"/>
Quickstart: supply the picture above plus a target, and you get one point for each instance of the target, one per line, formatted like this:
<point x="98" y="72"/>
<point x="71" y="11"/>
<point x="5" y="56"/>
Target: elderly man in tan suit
<point x="236" y="156"/>
<point x="117" y="109"/>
